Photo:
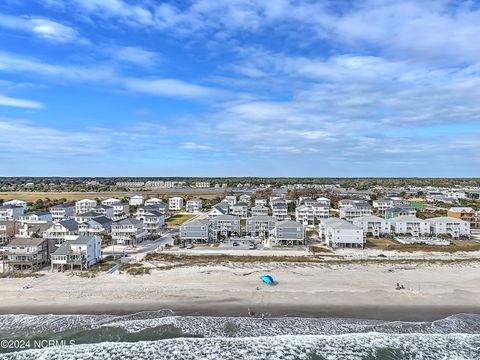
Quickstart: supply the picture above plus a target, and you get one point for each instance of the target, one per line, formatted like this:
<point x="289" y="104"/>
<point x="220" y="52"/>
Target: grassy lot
<point x="73" y="196"/>
<point x="457" y="245"/>
<point x="178" y="219"/>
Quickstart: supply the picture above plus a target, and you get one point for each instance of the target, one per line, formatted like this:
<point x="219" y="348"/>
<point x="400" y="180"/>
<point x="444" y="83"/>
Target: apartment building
<point x="240" y="209"/>
<point x="464" y="213"/>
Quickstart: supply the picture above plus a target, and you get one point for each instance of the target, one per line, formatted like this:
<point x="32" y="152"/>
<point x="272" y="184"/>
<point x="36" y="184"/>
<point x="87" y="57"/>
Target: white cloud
<point x="135" y="54"/>
<point x="20" y="103"/>
<point x="42" y="28"/>
<point x="195" y="146"/>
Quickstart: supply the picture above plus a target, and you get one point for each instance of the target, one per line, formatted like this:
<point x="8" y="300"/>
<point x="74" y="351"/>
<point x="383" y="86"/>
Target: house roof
<point x="225" y="217"/>
<point x="344" y="225"/>
<point x="203" y="222"/>
<point x="369" y="218"/>
<point x="406" y="218"/>
<point x="129" y="221"/>
<point x="101" y="220"/>
<point x="69" y="224"/>
<point x="88" y="214"/>
<point x="26" y="241"/>
<point x="460" y="209"/>
<point x="262" y="218"/>
<point x="240" y="204"/>
<point x="38" y="213"/>
<point x="446" y="219"/>
<point x="289" y="223"/>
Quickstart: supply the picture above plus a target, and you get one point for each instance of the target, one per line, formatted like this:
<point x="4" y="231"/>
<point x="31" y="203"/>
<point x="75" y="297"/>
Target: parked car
<point x="252" y="246"/>
<point x="182" y="246"/>
<point x="236" y="243"/>
<point x="189" y="246"/>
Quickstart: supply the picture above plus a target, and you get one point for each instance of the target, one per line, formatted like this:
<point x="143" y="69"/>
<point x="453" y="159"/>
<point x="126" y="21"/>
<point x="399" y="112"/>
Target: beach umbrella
<point x="267" y="279"/>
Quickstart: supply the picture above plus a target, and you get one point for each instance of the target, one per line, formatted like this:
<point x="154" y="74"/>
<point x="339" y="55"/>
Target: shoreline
<point x="385" y="313"/>
<point x="304" y="290"/>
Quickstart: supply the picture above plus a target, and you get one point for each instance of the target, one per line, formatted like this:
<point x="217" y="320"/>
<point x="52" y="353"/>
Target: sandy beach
<point x="365" y="291"/>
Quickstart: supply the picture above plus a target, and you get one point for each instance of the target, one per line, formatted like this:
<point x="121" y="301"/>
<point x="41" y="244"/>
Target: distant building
<point x="396" y="211"/>
<point x="136" y="200"/>
<point x="17" y="203"/>
<point x="259" y="210"/>
<point x="240" y="209"/>
<point x="58" y="231"/>
<point x="85" y="205"/>
<point x="61" y="212"/>
<point x="11" y="212"/>
<point x="104" y="210"/>
<point x="175" y="203"/>
<point x="193" y="205"/>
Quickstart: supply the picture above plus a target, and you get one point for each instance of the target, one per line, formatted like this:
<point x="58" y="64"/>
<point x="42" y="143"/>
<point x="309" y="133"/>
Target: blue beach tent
<point x="267" y="279"/>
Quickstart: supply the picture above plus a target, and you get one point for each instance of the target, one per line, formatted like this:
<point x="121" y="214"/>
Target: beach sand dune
<point x="366" y="291"/>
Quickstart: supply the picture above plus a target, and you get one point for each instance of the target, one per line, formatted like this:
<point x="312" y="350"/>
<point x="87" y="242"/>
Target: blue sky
<point x="239" y="88"/>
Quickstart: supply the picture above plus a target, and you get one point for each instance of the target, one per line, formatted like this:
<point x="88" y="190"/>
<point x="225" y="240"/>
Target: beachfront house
<point x="260" y="226"/>
<point x="30" y="254"/>
<point x="245" y="198"/>
<point x="175" y="203"/>
<point x="410" y="225"/>
<point x="226" y="226"/>
<point x="230" y="200"/>
<point x="197" y="231"/>
<point x="447" y="225"/>
<point x="78" y="251"/>
<point x="35" y="217"/>
<point x="59" y="230"/>
<point x="380" y="205"/>
<point x="8" y="229"/>
<point x="372" y="225"/>
<point x="339" y="233"/>
<point x="287" y="232"/>
<point x="159" y="204"/>
<point x="128" y="231"/>
<point x="85" y="205"/>
<point x="111" y="201"/>
<point x="193" y="205"/>
<point x="61" y="212"/>
<point x="11" y="212"/>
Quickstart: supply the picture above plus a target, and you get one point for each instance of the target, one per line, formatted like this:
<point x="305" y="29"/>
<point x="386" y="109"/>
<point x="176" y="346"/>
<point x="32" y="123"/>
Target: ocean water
<point x="164" y="335"/>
